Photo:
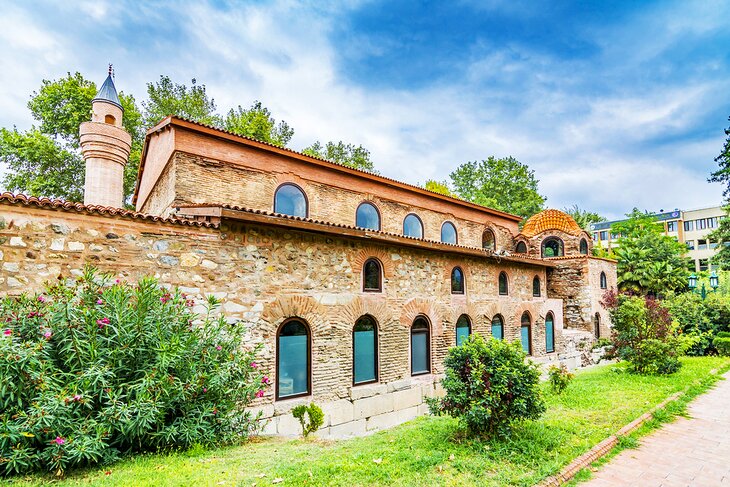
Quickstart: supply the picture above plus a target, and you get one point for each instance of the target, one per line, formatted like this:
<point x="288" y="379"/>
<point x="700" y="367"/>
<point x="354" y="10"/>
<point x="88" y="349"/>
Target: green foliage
<point x="167" y="98"/>
<point x="584" y="218"/>
<point x="314" y="417"/>
<point x="699" y="318"/>
<point x="722" y="344"/>
<point x="560" y="378"/>
<point x="93" y="370"/>
<point x="722" y="175"/>
<point x="721" y="234"/>
<point x="504" y="184"/>
<point x="257" y="123"/>
<point x="438" y="187"/>
<point x="349" y="155"/>
<point x="649" y="262"/>
<point x="489" y="387"/>
<point x="723" y="334"/>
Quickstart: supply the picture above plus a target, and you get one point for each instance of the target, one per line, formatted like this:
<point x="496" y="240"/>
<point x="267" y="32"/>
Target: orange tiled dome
<point x="550" y="220"/>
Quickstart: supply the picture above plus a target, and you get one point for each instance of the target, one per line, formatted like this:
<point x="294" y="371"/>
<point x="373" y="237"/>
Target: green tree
<point x="504" y="184"/>
<point x="584" y="218"/>
<point x="167" y="98"/>
<point x="722" y="175"/>
<point x="257" y="123"/>
<point x="648" y="260"/>
<point x="357" y="157"/>
<point x="440" y="187"/>
<point x="722" y="234"/>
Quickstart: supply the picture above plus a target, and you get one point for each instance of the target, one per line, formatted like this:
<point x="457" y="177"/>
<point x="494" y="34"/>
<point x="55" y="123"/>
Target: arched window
<point x="110" y="119"/>
<point x="503" y="284"/>
<point x="597" y="325"/>
<point x="498" y="327"/>
<point x="448" y="233"/>
<point x="365" y="350"/>
<point x="293" y="360"/>
<point x="550" y="332"/>
<point x="412" y="226"/>
<point x="604" y="285"/>
<point x="457" y="281"/>
<point x="536" y="287"/>
<point x="367" y="216"/>
<point x="583" y="246"/>
<point x="290" y="200"/>
<point x="463" y="329"/>
<point x="488" y="240"/>
<point x="552" y="247"/>
<point x="526" y="333"/>
<point x="420" y="346"/>
<point x="521" y="248"/>
<point x="372" y="278"/>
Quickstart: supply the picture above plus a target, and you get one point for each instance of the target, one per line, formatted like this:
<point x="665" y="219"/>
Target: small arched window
<point x="498" y="327"/>
<point x="367" y="216"/>
<point x="293" y="360"/>
<point x="365" y="350"/>
<point x="372" y="276"/>
<point x="536" y="287"/>
<point x="448" y="233"/>
<point x="290" y="200"/>
<point x="110" y="119"/>
<point x="604" y="284"/>
<point x="552" y="247"/>
<point x="463" y="329"/>
<point x="457" y="281"/>
<point x="597" y="325"/>
<point x="412" y="226"/>
<point x="521" y="248"/>
<point x="420" y="346"/>
<point x="526" y="333"/>
<point x="583" y="246"/>
<point x="488" y="240"/>
<point x="503" y="284"/>
<point x="550" y="333"/>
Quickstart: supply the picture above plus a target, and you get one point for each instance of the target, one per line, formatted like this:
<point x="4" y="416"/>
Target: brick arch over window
<point x="421" y="306"/>
<point x="451" y="315"/>
<point x="357" y="261"/>
<point x="304" y="307"/>
<point x="521" y="247"/>
<point x="343" y="317"/>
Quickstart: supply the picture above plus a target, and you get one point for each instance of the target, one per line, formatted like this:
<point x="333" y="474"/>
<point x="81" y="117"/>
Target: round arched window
<point x="521" y="248"/>
<point x="448" y="233"/>
<point x="367" y="216"/>
<point x="463" y="329"/>
<point x="536" y="286"/>
<point x="365" y="350"/>
<point x="549" y="333"/>
<point x="420" y="346"/>
<point x="372" y="279"/>
<point x="583" y="246"/>
<point x="457" y="281"/>
<point x="552" y="247"/>
<point x="290" y="200"/>
<point x="503" y="284"/>
<point x="604" y="284"/>
<point x="412" y="226"/>
<point x="488" y="240"/>
<point x="293" y="360"/>
<point x="498" y="327"/>
<point x="526" y="333"/>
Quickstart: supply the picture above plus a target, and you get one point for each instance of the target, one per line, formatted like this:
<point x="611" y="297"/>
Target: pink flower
<point x="117" y="281"/>
<point x="260" y="393"/>
<point x="218" y="347"/>
<point x="205" y="389"/>
<point x="77" y="397"/>
<point x="7" y="333"/>
<point x="42" y="298"/>
<point x="59" y="440"/>
<point x="99" y="301"/>
<point x="165" y="298"/>
<point x="265" y="380"/>
<point x="102" y="322"/>
<point x="215" y="410"/>
<point x="254" y="365"/>
<point x="47" y="334"/>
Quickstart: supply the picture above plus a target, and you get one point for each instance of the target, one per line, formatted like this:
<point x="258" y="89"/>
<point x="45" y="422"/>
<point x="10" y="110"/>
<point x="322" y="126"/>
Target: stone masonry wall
<point x="265" y="275"/>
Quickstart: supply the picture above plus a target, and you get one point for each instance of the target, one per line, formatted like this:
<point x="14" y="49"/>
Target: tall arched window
<point x="503" y="284"/>
<point x="457" y="281"/>
<point x="521" y="248"/>
<point x="526" y="333"/>
<point x="488" y="240"/>
<point x="290" y="200"/>
<point x="412" y="226"/>
<point x="367" y="216"/>
<point x="583" y="246"/>
<point x="604" y="285"/>
<point x="365" y="350"/>
<point x="463" y="329"/>
<point x="597" y="325"/>
<point x="552" y="247"/>
<point x="420" y="346"/>
<point x="536" y="286"/>
<point x="372" y="276"/>
<point x="550" y="332"/>
<point x="448" y="233"/>
<point x="498" y="327"/>
<point x="293" y="359"/>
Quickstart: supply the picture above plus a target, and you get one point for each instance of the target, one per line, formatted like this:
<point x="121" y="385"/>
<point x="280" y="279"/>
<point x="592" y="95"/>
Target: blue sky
<point x="613" y="104"/>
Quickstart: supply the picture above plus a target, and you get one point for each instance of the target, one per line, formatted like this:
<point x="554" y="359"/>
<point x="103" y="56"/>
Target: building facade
<point x="354" y="285"/>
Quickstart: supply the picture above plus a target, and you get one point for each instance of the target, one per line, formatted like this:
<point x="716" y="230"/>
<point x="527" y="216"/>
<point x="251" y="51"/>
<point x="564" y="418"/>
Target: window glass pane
<point x="497" y="328"/>
<point x="583" y="247"/>
<point x="457" y="281"/>
<point x="372" y="275"/>
<point x="521" y="247"/>
<point x="462" y="330"/>
<point x="364" y="342"/>
<point x="290" y="200"/>
<point x="549" y="334"/>
<point x="536" y="286"/>
<point x="448" y="233"/>
<point x="503" y="283"/>
<point x="367" y="217"/>
<point x="525" y="338"/>
<point x="603" y="281"/>
<point x="419" y="347"/>
<point x="293" y="360"/>
<point x="412" y="227"/>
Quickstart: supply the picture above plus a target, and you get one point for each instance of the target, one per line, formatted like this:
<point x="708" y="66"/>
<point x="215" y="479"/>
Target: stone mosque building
<point x="356" y="284"/>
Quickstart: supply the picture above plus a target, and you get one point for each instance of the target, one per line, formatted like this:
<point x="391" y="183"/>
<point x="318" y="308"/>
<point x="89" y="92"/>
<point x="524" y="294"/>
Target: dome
<point x="551" y="220"/>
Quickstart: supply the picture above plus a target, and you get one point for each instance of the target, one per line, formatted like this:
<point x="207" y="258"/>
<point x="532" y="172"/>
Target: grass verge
<point x="426" y="451"/>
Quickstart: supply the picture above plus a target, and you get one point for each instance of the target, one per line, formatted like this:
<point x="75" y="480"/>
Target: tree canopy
<point x="257" y="123"/>
<point x="504" y="184"/>
<point x="350" y="155"/>
<point x="167" y="98"/>
<point x="584" y="218"/>
<point x="722" y="175"/>
<point x="722" y="233"/>
<point x="441" y="187"/>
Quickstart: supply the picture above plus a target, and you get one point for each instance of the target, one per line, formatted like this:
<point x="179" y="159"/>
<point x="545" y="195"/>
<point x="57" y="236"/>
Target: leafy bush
<point x="698" y="318"/>
<point x="96" y="369"/>
<point x="315" y="418"/>
<point x="489" y="386"/>
<point x="722" y="344"/>
<point x="560" y="378"/>
<point x="723" y="334"/>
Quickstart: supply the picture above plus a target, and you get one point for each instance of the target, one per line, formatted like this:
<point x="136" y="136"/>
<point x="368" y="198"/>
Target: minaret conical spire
<point x="108" y="92"/>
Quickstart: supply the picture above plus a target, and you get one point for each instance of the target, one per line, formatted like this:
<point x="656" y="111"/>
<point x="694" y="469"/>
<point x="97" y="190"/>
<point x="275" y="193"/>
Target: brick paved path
<point x="687" y="452"/>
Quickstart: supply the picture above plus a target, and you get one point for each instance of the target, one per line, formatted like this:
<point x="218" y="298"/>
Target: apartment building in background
<point x="690" y="227"/>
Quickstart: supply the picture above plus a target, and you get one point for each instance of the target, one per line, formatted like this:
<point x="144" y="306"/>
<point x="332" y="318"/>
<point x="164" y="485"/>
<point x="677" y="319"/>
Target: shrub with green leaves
<point x="314" y="418"/>
<point x="96" y="369"/>
<point x="722" y="345"/>
<point x="489" y="386"/>
<point x="560" y="378"/>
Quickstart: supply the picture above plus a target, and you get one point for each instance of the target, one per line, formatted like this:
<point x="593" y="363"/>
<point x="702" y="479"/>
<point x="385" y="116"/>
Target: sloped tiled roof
<point x="550" y="220"/>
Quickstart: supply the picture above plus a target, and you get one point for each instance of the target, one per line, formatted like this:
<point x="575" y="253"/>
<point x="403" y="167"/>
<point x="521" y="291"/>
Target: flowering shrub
<point x="560" y="378"/>
<point x="489" y="386"/>
<point x="98" y="369"/>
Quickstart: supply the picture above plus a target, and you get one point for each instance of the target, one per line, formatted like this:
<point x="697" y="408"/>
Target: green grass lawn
<point x="426" y="451"/>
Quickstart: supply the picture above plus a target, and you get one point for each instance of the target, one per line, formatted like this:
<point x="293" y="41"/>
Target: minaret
<point x="105" y="146"/>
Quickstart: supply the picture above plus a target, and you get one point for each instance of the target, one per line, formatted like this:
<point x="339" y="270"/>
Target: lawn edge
<point x="605" y="447"/>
